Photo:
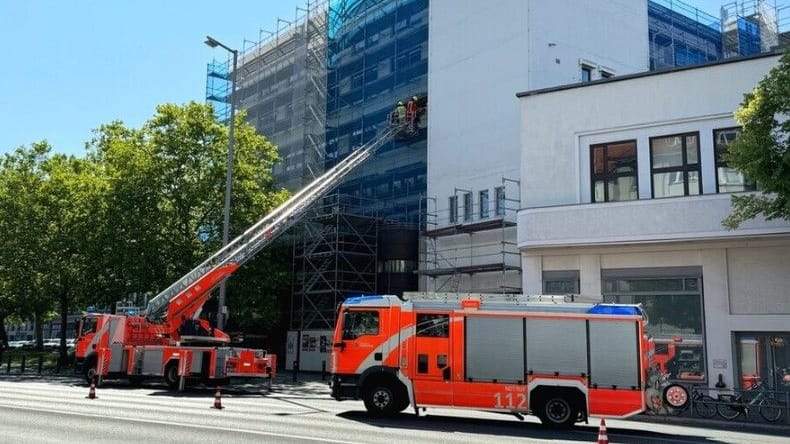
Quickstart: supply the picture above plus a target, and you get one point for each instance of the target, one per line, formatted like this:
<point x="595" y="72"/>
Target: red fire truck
<point x="559" y="361"/>
<point x="168" y="339"/>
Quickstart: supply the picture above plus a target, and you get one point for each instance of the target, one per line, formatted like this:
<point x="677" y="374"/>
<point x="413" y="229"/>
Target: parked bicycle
<point x="758" y="396"/>
<point x="677" y="397"/>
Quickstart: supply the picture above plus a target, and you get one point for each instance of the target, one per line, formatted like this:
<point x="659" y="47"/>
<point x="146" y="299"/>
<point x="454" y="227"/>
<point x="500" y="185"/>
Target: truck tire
<point x="380" y="400"/>
<point x="171" y="375"/>
<point x="558" y="412"/>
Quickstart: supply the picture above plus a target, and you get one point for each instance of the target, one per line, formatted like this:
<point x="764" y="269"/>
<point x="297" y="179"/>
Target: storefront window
<point x="763" y="356"/>
<point x="674" y="309"/>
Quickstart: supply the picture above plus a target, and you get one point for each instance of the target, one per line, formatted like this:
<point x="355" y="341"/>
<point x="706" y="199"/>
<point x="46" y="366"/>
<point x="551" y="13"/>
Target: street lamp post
<point x="222" y="309"/>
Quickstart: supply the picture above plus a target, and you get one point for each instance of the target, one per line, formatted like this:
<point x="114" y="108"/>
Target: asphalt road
<point x="57" y="410"/>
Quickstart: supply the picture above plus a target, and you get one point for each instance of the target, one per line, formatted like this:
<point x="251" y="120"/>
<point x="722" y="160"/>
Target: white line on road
<point x="185" y="425"/>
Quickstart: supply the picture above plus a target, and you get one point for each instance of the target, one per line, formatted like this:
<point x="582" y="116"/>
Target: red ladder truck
<point x="168" y="339"/>
<point x="561" y="362"/>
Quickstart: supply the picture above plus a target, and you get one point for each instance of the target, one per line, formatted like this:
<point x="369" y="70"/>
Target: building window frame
<point x="482" y="197"/>
<point x="499" y="201"/>
<point x="683" y="170"/>
<point x="611" y="177"/>
<point x="720" y="146"/>
<point x="586" y="73"/>
<point x="468" y="207"/>
<point x="452" y="204"/>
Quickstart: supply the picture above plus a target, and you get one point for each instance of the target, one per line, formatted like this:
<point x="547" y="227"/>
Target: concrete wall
<point x="557" y="128"/>
<point x="482" y="53"/>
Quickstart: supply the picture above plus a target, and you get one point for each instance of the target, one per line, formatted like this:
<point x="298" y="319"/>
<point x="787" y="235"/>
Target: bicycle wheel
<point x="705" y="406"/>
<point x="730" y="410"/>
<point x="770" y="409"/>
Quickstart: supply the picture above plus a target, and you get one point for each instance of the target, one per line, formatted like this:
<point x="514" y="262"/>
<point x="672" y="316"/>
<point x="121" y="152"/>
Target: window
<point x="433" y="325"/>
<point x="675" y="165"/>
<point x="586" y="73"/>
<point x="606" y="74"/>
<point x="453" y="205"/>
<point x="483" y="198"/>
<point x="561" y="282"/>
<point x="672" y="301"/>
<point x="499" y="202"/>
<point x="728" y="180"/>
<point x="467" y="207"/>
<point x="613" y="174"/>
<point x="360" y="323"/>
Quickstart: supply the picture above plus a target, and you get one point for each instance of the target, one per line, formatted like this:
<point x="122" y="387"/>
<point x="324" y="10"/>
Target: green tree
<point x="762" y="150"/>
<point x="166" y="196"/>
<point x="47" y="208"/>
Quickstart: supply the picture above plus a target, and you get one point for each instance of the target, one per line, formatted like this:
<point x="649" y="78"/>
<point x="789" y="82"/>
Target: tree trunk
<point x="64" y="318"/>
<point x="3" y="337"/>
<point x="39" y="330"/>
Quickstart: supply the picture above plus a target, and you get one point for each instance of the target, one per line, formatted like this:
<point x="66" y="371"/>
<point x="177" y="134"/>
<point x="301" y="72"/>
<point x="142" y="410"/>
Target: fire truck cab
<point x="559" y="361"/>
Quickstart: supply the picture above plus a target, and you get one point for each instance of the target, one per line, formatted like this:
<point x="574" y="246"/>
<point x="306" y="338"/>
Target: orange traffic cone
<point x="92" y="391"/>
<point x="217" y="400"/>
<point x="602" y="438"/>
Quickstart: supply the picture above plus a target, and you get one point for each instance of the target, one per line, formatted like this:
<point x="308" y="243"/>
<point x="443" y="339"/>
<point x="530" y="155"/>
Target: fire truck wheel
<point x="380" y="400"/>
<point x="558" y="412"/>
<point x="171" y="375"/>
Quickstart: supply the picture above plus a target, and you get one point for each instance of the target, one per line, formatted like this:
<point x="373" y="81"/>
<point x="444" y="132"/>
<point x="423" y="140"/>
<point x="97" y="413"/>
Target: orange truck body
<point x="128" y="345"/>
<point x="561" y="362"/>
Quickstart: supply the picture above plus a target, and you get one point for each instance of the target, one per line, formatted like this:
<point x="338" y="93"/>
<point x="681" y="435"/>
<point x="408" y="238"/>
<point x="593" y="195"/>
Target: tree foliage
<point x="142" y="208"/>
<point x="762" y="150"/>
<point x="166" y="197"/>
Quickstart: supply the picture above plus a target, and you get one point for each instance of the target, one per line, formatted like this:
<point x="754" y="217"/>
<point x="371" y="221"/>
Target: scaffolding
<point x="681" y="34"/>
<point x="218" y="83"/>
<point x="319" y="85"/>
<point x="749" y="27"/>
<point x="335" y="257"/>
<point x="475" y="251"/>
<point x="281" y="84"/>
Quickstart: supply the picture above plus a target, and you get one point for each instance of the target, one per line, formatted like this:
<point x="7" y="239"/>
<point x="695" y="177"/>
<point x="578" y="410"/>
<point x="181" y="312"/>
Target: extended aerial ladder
<point x="187" y="295"/>
<point x="167" y="340"/>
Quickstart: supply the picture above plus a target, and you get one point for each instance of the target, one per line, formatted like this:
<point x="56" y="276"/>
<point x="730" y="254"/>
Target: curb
<point x="781" y="429"/>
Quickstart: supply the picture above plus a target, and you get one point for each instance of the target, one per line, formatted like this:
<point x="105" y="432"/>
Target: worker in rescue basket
<point x="411" y="112"/>
<point x="400" y="114"/>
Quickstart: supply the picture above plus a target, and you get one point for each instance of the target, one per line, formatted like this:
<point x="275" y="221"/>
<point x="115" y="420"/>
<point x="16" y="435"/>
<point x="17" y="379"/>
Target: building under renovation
<point x="437" y="211"/>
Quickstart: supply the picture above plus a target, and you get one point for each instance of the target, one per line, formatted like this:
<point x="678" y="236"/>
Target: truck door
<point x="431" y="359"/>
<point x="361" y="342"/>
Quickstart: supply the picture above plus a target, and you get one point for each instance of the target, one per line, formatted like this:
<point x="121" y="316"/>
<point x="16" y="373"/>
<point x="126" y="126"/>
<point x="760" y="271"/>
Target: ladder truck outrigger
<point x="560" y="361"/>
<point x="168" y="339"/>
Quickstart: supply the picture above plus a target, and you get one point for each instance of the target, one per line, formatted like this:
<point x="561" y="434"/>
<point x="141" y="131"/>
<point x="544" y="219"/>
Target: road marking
<point x="185" y="425"/>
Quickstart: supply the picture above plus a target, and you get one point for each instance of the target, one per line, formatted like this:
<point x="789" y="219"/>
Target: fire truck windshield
<point x="359" y="323"/>
<point x="88" y="325"/>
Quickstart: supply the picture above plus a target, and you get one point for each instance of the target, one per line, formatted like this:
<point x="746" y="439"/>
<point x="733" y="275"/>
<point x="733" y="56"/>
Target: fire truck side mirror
<point x="341" y="345"/>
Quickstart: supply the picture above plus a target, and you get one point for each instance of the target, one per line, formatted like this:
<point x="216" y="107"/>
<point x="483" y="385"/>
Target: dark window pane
<point x="598" y="160"/>
<point x="621" y="158"/>
<point x="667" y="152"/>
<point x="433" y="325"/>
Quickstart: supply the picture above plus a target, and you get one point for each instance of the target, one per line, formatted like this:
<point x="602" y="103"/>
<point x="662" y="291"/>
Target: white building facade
<point x="480" y="53"/>
<point x="623" y="191"/>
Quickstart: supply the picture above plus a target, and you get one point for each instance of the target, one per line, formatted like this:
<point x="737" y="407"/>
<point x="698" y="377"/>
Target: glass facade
<point x="681" y="34"/>
<point x="377" y="56"/>
<point x="763" y="357"/>
<point x="673" y="303"/>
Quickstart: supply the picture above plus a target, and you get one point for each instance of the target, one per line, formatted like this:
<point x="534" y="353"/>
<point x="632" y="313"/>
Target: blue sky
<point x="70" y="66"/>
